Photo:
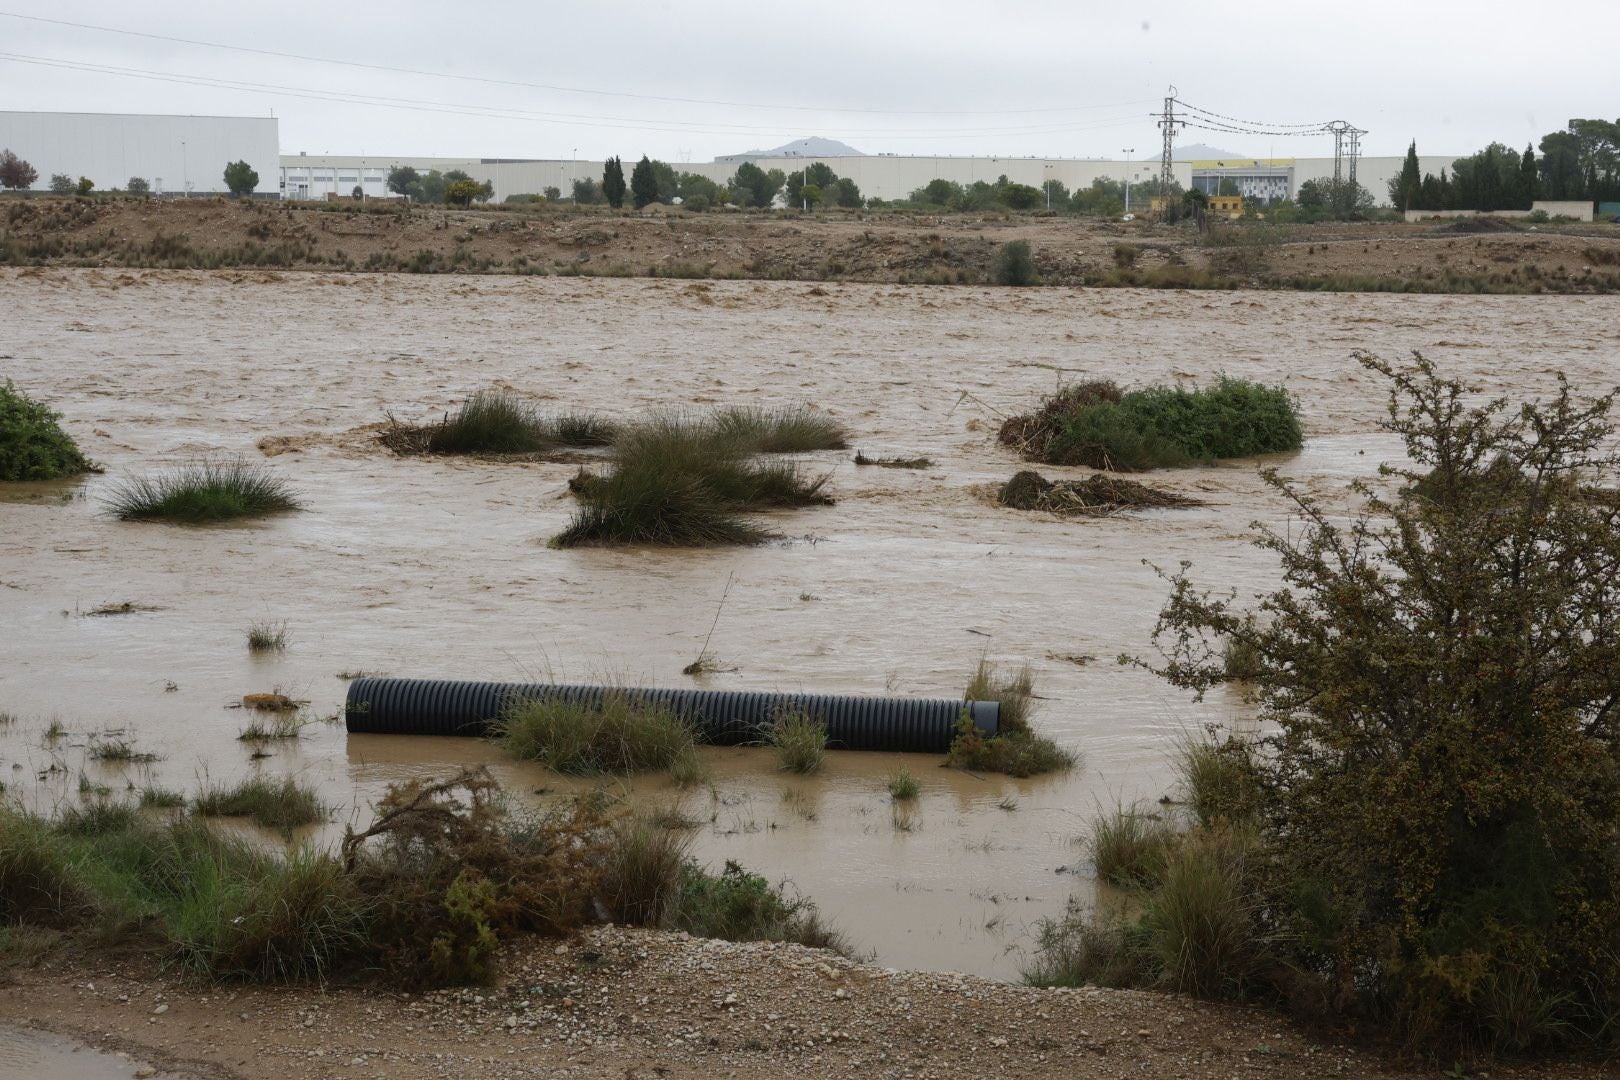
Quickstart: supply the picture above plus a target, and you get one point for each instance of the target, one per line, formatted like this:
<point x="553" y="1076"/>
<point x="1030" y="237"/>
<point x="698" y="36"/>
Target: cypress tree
<point x="1410" y="181"/>
<point x="643" y="183"/>
<point x="1529" y="180"/>
<point x="613" y="182"/>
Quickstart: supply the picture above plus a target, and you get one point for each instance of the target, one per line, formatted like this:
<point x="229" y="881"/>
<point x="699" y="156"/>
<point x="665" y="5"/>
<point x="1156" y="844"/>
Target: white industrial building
<point x="173" y="154"/>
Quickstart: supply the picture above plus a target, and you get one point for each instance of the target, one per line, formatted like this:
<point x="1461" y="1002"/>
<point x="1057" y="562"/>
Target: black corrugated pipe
<point x="722" y="717"/>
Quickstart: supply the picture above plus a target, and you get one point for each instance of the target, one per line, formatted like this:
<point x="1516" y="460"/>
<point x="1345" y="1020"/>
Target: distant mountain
<point x="1201" y="152"/>
<point x="813" y="147"/>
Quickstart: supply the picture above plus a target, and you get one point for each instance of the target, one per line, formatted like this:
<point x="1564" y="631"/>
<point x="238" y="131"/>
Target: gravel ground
<point x="632" y="1003"/>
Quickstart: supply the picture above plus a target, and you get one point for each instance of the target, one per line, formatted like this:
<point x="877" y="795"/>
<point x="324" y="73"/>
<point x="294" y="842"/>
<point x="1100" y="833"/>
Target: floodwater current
<point x="439" y="568"/>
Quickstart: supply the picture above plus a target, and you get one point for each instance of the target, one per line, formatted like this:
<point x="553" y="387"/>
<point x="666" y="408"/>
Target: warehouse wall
<point x="109" y="148"/>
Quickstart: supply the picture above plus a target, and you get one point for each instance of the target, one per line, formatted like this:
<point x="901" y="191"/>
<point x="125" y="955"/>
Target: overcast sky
<point x="1027" y="77"/>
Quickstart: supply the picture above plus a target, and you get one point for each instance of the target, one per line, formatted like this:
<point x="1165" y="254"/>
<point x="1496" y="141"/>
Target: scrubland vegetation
<point x="421" y="898"/>
<point x="1101" y="426"/>
<point x="33" y="445"/>
<point x="1426" y="840"/>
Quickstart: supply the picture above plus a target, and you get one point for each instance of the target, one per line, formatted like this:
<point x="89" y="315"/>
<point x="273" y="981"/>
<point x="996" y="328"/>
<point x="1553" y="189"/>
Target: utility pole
<point x="1128" y="152"/>
<point x="1167" y="125"/>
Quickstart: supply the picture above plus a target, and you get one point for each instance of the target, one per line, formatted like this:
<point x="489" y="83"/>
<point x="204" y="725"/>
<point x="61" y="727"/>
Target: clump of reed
<point x="796" y="429"/>
<point x="684" y="481"/>
<point x="284" y="805"/>
<point x="1015" y="748"/>
<point x="33" y="445"/>
<point x="1097" y="425"/>
<point x="798" y="739"/>
<point x="202" y="492"/>
<point x="497" y="421"/>
<point x="621" y="733"/>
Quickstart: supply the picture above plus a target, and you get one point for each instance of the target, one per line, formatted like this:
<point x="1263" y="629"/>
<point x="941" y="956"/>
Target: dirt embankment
<point x="616" y="1002"/>
<point x="889" y="248"/>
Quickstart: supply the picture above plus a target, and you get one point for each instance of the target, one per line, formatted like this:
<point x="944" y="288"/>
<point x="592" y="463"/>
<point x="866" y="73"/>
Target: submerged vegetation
<point x="1425" y="840"/>
<point x="33" y="445"/>
<point x="498" y="422"/>
<point x="1095" y="496"/>
<point x="1014" y="749"/>
<point x="687" y="481"/>
<point x="202" y="492"/>
<point x="423" y="897"/>
<point x="285" y="804"/>
<point x="1096" y="424"/>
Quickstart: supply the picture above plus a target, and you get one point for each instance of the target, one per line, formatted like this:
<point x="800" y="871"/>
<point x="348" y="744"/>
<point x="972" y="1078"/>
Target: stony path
<point x="630" y="1003"/>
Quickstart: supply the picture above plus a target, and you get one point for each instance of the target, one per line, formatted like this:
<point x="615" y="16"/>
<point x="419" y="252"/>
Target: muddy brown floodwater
<point x="439" y="567"/>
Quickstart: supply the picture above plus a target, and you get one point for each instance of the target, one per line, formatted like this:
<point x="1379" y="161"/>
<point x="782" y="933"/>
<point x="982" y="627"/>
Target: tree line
<point x="1578" y="163"/>
<point x="17" y="174"/>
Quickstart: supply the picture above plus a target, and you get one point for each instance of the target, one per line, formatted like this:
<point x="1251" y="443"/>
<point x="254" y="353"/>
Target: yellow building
<point x="1230" y="206"/>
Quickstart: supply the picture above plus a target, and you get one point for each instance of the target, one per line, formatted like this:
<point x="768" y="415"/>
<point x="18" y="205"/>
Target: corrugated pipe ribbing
<point x="721" y="717"/>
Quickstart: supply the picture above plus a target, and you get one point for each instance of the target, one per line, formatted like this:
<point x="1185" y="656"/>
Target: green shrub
<point x="203" y="492"/>
<point x="283" y="805"/>
<point x="1014" y="264"/>
<point x="266" y="636"/>
<point x="1437" y="797"/>
<point x="621" y="733"/>
<point x="1096" y="425"/>
<point x="33" y="445"/>
<point x="1130" y="848"/>
<point x="737" y="905"/>
<point x="799" y="740"/>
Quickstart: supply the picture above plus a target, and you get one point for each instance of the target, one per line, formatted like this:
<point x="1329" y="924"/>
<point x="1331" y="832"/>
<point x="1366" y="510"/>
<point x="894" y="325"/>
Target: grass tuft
<point x="793" y="430"/>
<point x="203" y="492"/>
<point x="1096" y="425"/>
<point x="154" y="798"/>
<point x="1014" y="693"/>
<point x="266" y="636"/>
<point x="620" y="734"/>
<point x="118" y="751"/>
<point x="684" y="482"/>
<point x="799" y="740"/>
<point x="33" y="445"/>
<point x="283" y="805"/>
<point x="498" y="421"/>
<point x="903" y="787"/>
<point x="1130" y="848"/>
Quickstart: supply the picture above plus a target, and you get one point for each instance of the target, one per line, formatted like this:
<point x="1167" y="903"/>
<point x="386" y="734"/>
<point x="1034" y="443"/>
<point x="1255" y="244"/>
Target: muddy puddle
<point x="439" y="568"/>
<point x="31" y="1055"/>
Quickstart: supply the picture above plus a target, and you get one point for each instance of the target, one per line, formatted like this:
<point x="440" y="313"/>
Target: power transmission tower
<point x="1167" y="124"/>
<point x="1346" y="150"/>
<point x="1355" y="150"/>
